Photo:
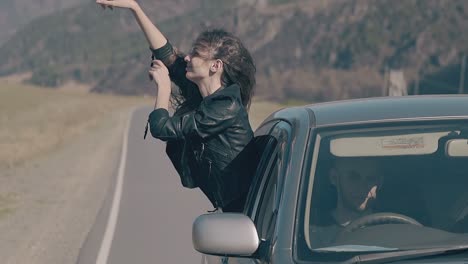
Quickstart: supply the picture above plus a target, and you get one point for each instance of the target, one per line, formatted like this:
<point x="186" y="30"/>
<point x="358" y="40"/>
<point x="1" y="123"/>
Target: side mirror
<point x="457" y="148"/>
<point x="225" y="234"/>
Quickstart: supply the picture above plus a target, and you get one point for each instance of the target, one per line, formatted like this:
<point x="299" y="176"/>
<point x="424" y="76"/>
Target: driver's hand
<point x="371" y="196"/>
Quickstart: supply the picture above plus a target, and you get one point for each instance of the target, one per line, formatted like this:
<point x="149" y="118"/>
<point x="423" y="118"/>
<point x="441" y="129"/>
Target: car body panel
<point x="306" y="120"/>
<point x="388" y="109"/>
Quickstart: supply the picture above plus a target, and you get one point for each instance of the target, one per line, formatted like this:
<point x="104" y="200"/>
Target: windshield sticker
<point x="409" y="144"/>
<point x="354" y="248"/>
<point x="402" y="143"/>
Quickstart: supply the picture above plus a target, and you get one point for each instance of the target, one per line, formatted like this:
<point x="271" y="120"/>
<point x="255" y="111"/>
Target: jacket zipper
<point x="209" y="169"/>
<point x="202" y="150"/>
<point x="213" y="192"/>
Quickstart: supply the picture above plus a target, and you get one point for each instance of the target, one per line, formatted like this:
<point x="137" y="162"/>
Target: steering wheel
<point x="380" y="219"/>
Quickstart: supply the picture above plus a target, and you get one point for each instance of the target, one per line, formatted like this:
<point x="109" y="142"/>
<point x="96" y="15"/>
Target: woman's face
<point x="198" y="67"/>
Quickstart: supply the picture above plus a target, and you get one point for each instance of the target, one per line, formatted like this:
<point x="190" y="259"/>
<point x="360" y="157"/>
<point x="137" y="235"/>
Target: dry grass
<point x="7" y="204"/>
<point x="34" y="121"/>
<point x="259" y="110"/>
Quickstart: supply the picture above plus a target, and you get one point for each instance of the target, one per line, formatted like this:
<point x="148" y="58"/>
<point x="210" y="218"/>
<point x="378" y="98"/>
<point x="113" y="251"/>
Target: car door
<point x="265" y="148"/>
<point x="265" y="194"/>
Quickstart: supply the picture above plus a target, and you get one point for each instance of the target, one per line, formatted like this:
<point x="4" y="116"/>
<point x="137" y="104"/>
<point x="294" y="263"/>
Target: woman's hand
<point x="160" y="74"/>
<point x="130" y="4"/>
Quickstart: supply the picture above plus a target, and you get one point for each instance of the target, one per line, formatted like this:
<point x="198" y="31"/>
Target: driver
<point x="356" y="181"/>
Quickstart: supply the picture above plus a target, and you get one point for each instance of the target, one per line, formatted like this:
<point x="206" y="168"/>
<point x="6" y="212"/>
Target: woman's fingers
<point x="160" y="75"/>
<point x="158" y="63"/>
<point x="158" y="71"/>
<point x="117" y="3"/>
<point x="103" y="5"/>
<point x="159" y="66"/>
<point x="155" y="73"/>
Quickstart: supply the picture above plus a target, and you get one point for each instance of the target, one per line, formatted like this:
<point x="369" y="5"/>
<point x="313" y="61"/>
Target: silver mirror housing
<point x="457" y="148"/>
<point x="225" y="234"/>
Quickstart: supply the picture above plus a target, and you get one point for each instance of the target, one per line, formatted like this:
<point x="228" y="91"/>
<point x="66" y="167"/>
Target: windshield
<point x="385" y="189"/>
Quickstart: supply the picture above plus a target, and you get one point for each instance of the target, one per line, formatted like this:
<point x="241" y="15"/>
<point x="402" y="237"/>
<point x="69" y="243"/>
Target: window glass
<point x="266" y="212"/>
<point x="267" y="146"/>
<point x="392" y="188"/>
<point x="270" y="196"/>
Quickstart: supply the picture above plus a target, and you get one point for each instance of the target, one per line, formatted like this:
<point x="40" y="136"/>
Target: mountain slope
<point x="16" y="13"/>
<point x="313" y="50"/>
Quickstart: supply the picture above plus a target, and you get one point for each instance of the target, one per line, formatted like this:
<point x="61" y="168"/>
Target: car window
<point x="267" y="146"/>
<point x="267" y="210"/>
<point x="269" y="192"/>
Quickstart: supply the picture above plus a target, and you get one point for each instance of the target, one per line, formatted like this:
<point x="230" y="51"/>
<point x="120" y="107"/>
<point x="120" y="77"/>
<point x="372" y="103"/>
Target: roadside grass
<point x="259" y="110"/>
<point x="7" y="204"/>
<point x="35" y="121"/>
<point x="296" y="102"/>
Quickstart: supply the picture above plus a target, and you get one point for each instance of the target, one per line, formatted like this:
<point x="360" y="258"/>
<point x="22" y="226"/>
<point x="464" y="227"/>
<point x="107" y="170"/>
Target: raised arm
<point x="155" y="38"/>
<point x="161" y="49"/>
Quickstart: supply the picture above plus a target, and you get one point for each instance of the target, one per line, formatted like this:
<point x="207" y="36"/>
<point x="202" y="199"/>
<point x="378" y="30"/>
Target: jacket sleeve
<point x="212" y="117"/>
<point x="176" y="65"/>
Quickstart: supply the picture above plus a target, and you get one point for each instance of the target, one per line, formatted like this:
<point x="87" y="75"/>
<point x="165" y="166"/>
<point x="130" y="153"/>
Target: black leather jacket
<point x="204" y="145"/>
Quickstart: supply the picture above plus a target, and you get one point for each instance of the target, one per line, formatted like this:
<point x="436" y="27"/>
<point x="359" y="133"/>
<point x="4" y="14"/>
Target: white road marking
<point x="112" y="221"/>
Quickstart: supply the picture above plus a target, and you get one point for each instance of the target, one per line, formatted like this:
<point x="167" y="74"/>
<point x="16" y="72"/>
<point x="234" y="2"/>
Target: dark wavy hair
<point x="238" y="65"/>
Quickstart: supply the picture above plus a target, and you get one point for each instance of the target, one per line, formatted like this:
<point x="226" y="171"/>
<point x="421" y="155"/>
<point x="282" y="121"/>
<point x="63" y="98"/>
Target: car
<point x="402" y="195"/>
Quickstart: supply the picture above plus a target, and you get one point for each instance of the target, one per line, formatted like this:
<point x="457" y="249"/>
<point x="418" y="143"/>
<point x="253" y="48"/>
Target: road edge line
<point x="106" y="242"/>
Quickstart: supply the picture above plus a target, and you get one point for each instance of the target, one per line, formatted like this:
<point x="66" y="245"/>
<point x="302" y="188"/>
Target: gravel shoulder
<point x="51" y="202"/>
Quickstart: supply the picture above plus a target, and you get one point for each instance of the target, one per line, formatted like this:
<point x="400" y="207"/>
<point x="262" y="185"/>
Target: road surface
<point x="147" y="215"/>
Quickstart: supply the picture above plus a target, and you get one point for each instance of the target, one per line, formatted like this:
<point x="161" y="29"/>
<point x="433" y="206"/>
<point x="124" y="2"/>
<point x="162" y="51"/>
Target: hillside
<point x="312" y="50"/>
<point x="16" y="13"/>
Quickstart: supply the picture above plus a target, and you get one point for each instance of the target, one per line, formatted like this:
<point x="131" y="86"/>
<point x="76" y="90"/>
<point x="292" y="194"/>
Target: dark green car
<point x="362" y="181"/>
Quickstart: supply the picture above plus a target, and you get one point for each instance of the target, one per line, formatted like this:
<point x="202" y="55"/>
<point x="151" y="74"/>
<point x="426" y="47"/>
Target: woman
<point x="210" y="127"/>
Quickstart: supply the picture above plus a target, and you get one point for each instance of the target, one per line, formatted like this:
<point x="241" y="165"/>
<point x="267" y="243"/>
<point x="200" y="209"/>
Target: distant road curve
<point x="147" y="215"/>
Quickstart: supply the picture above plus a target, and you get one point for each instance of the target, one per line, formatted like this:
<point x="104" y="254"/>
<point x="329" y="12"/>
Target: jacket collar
<point x="232" y="90"/>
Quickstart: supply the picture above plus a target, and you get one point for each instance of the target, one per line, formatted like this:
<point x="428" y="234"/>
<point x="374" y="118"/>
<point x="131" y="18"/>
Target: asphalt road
<point x="147" y="216"/>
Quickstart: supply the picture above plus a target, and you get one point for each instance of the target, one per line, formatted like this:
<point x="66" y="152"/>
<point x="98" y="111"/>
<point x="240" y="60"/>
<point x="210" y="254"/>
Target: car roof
<point x="381" y="109"/>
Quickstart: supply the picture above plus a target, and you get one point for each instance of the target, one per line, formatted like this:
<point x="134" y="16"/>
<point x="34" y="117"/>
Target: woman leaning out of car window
<point x="210" y="125"/>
